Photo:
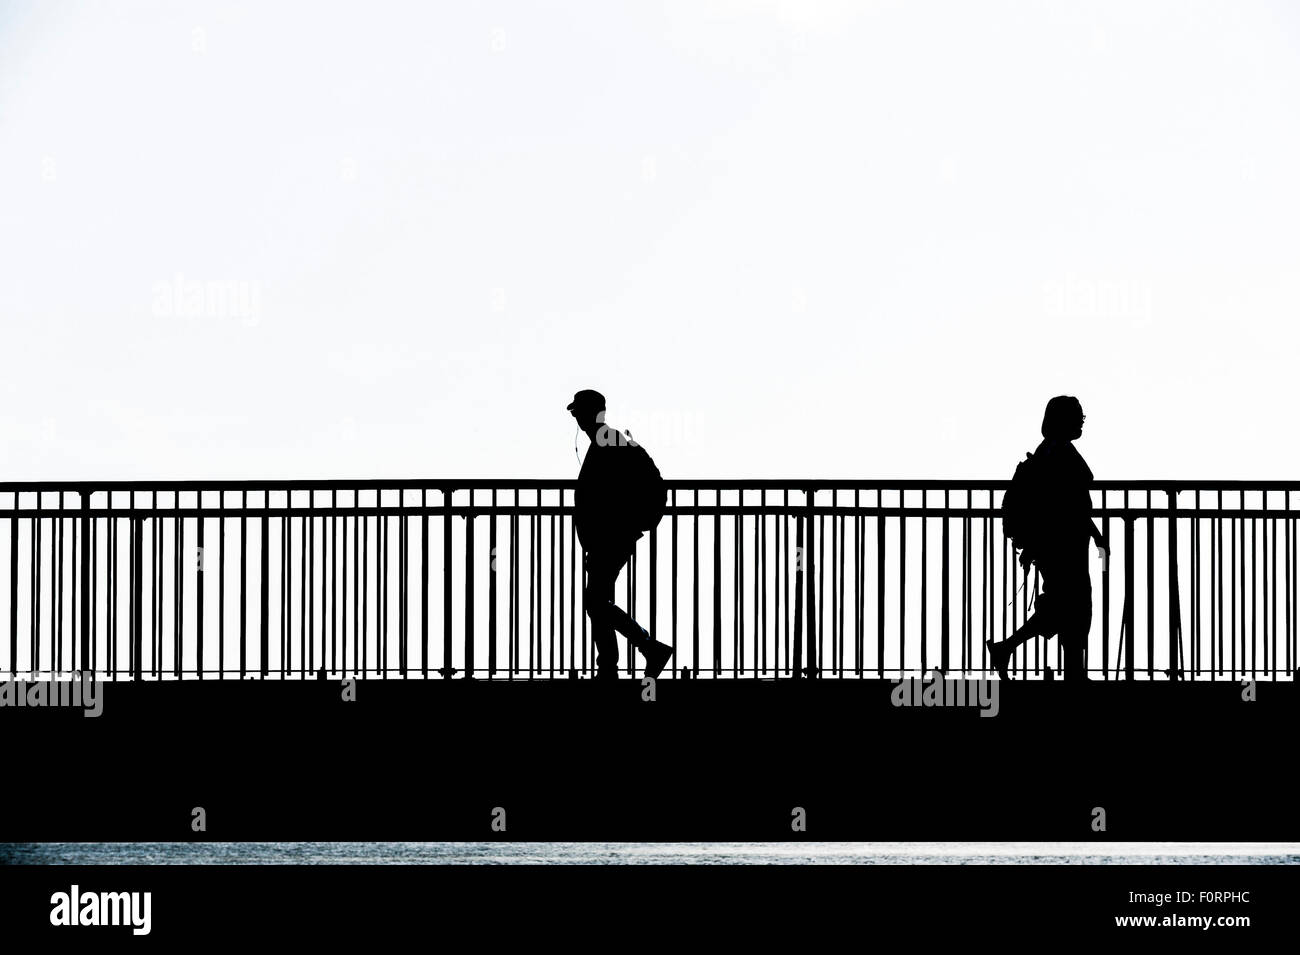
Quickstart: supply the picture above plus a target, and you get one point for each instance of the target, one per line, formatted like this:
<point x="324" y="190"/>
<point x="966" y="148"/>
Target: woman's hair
<point x="1062" y="417"/>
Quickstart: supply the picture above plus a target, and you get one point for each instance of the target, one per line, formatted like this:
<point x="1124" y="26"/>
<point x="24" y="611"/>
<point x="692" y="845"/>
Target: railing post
<point x="424" y="589"/>
<point x="469" y="594"/>
<point x="446" y="670"/>
<point x="1175" y="615"/>
<point x="945" y="655"/>
<point x="796" y="668"/>
<point x="811" y="578"/>
<point x="264" y="595"/>
<point x="200" y="559"/>
<point x="85" y="581"/>
<point x="13" y="590"/>
<point x="137" y="609"/>
<point x="1128" y="598"/>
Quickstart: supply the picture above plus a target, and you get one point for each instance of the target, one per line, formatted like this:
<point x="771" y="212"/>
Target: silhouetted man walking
<point x="1058" y="524"/>
<point x="614" y="505"/>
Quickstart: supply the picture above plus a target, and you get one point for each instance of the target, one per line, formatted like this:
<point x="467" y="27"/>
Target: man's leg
<point x="602" y="573"/>
<point x="611" y="617"/>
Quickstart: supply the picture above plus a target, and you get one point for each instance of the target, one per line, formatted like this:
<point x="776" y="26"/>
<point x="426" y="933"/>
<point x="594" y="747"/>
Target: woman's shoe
<point x="999" y="656"/>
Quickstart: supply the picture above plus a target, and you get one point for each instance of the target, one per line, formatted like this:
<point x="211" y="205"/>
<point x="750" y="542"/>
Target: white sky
<point x="792" y="238"/>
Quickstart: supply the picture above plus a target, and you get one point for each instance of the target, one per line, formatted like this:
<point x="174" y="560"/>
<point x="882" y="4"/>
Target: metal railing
<point x="767" y="579"/>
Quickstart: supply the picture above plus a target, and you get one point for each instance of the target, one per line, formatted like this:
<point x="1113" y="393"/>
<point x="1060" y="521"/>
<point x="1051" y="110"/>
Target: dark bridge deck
<point x="708" y="760"/>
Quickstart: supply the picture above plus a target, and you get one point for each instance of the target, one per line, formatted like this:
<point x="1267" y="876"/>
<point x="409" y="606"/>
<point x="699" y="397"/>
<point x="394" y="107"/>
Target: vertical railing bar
<point x="34" y="659"/>
<point x="835" y="596"/>
<point x="902" y="586"/>
<point x="717" y="587"/>
<point x="534" y="532"/>
<point x="1105" y="593"/>
<point x="785" y="576"/>
<point x="265" y="590"/>
<point x="469" y="588"/>
<point x="551" y="656"/>
<point x="654" y="581"/>
<point x="87" y="608"/>
<point x="94" y="597"/>
<point x="447" y="669"/>
<point x="1216" y="591"/>
<point x="303" y="615"/>
<point x="365" y="594"/>
<point x="800" y="567"/>
<point x="965" y="587"/>
<point x="342" y="520"/>
<point x="358" y="667"/>
<point x="286" y="592"/>
<point x="492" y="586"/>
<point x="403" y="558"/>
<point x="56" y="590"/>
<point x="814" y="661"/>
<point x="221" y="585"/>
<point x="945" y="660"/>
<point x="880" y="584"/>
<point x="1273" y="593"/>
<point x="243" y="587"/>
<point x="813" y="666"/>
<point x="1151" y="589"/>
<point x="334" y="581"/>
<point x="672" y="500"/>
<point x="559" y="597"/>
<point x="137" y="616"/>
<point x="385" y="557"/>
<point x="1128" y="638"/>
<point x="512" y="649"/>
<point x="738" y="571"/>
<point x="925" y="584"/>
<point x="1254" y="593"/>
<point x="842" y="568"/>
<point x="178" y="585"/>
<point x="1175" y="608"/>
<point x="760" y="586"/>
<point x="860" y="588"/>
<point x="15" y="523"/>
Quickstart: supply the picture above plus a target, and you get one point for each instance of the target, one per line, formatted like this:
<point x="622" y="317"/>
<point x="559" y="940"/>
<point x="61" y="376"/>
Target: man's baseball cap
<point x="587" y="399"/>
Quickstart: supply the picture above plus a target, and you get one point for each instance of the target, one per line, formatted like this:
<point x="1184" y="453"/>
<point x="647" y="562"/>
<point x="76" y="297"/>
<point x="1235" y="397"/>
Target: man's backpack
<point x="1022" y="505"/>
<point x="647" y="492"/>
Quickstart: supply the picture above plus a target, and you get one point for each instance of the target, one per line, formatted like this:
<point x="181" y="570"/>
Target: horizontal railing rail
<point x="774" y="579"/>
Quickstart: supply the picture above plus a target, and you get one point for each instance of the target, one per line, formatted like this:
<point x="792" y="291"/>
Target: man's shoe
<point x="657" y="656"/>
<point x="999" y="656"/>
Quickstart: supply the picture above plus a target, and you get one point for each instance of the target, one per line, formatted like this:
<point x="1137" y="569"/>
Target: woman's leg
<point x="1076" y="627"/>
<point x="1042" y="622"/>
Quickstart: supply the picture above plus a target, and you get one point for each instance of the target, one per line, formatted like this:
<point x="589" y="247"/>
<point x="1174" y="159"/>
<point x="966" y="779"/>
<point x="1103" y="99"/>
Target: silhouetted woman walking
<point x="1060" y="546"/>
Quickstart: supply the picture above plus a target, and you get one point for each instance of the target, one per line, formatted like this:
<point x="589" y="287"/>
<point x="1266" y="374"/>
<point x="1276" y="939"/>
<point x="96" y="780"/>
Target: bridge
<point x="254" y="643"/>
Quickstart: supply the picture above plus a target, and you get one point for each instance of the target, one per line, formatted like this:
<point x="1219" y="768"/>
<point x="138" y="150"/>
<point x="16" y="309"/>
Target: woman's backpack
<point x="1022" y="505"/>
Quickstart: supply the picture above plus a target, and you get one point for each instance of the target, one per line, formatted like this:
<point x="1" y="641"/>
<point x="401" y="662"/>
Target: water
<point x="655" y="853"/>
